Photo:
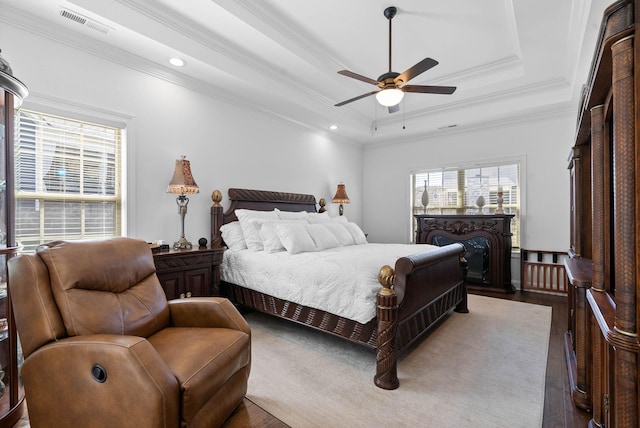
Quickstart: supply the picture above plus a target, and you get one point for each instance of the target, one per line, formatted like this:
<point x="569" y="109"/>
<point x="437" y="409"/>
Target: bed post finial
<point x="387" y="313"/>
<point x="386" y="278"/>
<point x="216" y="219"/>
<point x="322" y="202"/>
<point x="216" y="197"/>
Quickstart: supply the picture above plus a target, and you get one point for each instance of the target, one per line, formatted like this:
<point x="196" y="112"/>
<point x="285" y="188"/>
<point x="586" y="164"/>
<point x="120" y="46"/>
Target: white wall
<point x="544" y="142"/>
<point x="228" y="145"/>
<point x="234" y="146"/>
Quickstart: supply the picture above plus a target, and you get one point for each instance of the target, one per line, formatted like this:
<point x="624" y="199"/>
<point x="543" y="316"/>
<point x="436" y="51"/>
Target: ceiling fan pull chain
<point x="375" y="115"/>
<point x="403" y="116"/>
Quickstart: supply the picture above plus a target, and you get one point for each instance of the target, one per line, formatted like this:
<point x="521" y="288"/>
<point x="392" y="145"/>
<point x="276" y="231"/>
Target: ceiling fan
<point x="393" y="85"/>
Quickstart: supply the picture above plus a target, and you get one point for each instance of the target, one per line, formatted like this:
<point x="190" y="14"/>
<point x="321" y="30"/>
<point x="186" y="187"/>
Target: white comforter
<point x="342" y="281"/>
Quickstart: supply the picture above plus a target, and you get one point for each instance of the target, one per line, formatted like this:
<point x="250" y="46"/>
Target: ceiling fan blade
<point x="417" y="69"/>
<point x="358" y="77"/>
<point x="447" y="90"/>
<point x="393" y="109"/>
<point x="356" y="98"/>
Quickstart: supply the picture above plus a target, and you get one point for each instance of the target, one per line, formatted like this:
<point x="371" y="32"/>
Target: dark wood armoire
<point x="602" y="343"/>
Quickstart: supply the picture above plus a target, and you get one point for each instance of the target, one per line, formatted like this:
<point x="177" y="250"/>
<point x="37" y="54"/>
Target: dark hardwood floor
<point x="559" y="410"/>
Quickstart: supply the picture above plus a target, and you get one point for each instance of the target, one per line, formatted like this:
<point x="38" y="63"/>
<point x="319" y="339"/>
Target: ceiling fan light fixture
<point x="390" y="97"/>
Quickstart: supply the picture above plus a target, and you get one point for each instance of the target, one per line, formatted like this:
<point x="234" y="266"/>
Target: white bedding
<point x="342" y="280"/>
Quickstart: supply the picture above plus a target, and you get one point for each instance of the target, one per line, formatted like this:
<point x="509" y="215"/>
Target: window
<point x="456" y="191"/>
<point x="68" y="179"/>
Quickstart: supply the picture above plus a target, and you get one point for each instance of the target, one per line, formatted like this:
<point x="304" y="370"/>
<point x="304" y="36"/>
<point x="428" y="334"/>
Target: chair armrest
<point x="207" y="312"/>
<point x="136" y="389"/>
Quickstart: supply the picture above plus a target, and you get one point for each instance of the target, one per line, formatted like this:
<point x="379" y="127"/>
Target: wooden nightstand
<point x="186" y="273"/>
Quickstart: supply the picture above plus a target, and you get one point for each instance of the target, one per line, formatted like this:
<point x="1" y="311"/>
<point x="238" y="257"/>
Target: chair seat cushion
<point x="202" y="359"/>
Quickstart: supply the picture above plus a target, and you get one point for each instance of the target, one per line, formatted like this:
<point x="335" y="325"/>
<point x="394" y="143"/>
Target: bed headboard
<point x="261" y="200"/>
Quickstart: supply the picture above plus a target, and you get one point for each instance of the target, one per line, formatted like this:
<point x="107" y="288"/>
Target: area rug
<point x="484" y="368"/>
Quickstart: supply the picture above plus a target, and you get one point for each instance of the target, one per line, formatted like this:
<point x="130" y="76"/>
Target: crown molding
<point x="521" y="116"/>
<point x="515" y="92"/>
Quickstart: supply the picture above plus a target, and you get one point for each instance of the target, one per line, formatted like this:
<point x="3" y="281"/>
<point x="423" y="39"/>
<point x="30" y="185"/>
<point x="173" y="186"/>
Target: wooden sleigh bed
<point x="417" y="293"/>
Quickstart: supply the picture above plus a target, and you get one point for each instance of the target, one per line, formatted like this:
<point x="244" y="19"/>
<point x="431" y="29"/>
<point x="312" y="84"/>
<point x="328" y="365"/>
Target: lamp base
<point x="182" y="244"/>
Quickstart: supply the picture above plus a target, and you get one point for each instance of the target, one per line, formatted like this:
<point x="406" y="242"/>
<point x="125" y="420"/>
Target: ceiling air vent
<point x="83" y="20"/>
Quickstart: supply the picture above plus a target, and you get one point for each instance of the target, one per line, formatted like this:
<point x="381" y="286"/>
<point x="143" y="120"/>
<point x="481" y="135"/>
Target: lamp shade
<point x="390" y="97"/>
<point x="182" y="182"/>
<point x="341" y="195"/>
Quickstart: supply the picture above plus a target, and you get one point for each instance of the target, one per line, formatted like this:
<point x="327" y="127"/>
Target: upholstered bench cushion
<point x="203" y="360"/>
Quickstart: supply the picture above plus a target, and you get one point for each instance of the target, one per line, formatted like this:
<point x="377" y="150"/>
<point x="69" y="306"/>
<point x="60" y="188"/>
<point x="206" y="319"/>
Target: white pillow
<point x="270" y="239"/>
<point x="250" y="222"/>
<point x="341" y="233"/>
<point x="322" y="237"/>
<point x="318" y="217"/>
<point x="324" y="218"/>
<point x="232" y="236"/>
<point x="295" y="238"/>
<point x="292" y="215"/>
<point x="358" y="235"/>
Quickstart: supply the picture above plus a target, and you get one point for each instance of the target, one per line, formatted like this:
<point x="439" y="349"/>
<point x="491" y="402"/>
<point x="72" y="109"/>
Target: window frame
<point x="461" y="166"/>
<point x="98" y="117"/>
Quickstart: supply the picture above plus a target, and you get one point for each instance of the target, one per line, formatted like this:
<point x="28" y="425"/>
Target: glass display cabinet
<point x="12" y="92"/>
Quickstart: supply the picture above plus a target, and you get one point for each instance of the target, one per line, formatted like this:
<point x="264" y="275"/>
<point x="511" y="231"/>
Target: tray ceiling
<point x="509" y="59"/>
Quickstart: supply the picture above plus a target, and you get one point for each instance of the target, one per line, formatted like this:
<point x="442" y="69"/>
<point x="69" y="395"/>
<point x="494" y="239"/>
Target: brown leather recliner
<point x="104" y="348"/>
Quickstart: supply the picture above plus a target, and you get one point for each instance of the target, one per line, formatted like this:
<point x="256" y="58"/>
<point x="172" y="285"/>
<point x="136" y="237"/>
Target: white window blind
<point x="456" y="190"/>
<point x="68" y="183"/>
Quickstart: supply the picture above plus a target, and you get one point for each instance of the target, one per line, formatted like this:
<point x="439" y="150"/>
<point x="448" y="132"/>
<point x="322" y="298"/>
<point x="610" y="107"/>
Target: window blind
<point x="68" y="178"/>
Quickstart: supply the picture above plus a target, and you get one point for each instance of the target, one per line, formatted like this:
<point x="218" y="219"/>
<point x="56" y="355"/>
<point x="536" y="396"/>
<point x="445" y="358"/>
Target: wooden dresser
<point x="602" y="343"/>
<point x="186" y="273"/>
<point x="487" y="239"/>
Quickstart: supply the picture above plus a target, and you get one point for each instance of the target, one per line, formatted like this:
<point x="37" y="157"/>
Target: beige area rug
<point x="482" y="369"/>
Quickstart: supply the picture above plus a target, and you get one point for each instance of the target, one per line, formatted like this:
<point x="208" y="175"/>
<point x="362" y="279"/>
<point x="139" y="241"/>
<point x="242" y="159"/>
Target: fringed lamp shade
<point x="341" y="197"/>
<point x="182" y="182"/>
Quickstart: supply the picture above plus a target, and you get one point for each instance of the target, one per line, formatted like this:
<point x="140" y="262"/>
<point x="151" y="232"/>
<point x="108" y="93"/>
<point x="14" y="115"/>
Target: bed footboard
<point x="414" y="297"/>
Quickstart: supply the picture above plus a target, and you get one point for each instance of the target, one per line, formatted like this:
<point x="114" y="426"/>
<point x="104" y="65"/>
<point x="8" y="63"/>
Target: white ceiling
<point x="510" y="59"/>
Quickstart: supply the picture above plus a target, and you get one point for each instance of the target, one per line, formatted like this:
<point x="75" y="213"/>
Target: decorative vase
<point x="500" y="210"/>
<point x="425" y="197"/>
<point x="480" y="203"/>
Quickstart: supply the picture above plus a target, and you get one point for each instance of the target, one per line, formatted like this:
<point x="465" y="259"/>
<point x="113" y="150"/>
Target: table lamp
<point x="182" y="184"/>
<point x="341" y="198"/>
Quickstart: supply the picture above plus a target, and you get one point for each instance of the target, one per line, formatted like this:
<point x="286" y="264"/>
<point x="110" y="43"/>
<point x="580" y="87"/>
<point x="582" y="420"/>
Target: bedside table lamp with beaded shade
<point x="182" y="184"/>
<point x="341" y="197"/>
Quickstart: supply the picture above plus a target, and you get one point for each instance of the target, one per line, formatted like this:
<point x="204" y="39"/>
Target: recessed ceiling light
<point x="177" y="62"/>
<point x="333" y="127"/>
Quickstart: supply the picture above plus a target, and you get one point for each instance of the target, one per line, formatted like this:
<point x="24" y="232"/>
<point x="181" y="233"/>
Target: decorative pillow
<point x="292" y="215"/>
<point x="358" y="235"/>
<point x="295" y="238"/>
<point x="341" y="233"/>
<point x="233" y="237"/>
<point x="250" y="222"/>
<point x="270" y="239"/>
<point x="318" y="217"/>
<point x="322" y="237"/>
